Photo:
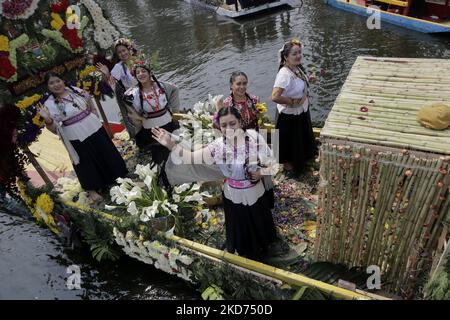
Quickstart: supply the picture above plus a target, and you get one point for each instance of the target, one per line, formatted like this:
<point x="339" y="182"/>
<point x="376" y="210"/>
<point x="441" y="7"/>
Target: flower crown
<point x="141" y="61"/>
<point x="124" y="42"/>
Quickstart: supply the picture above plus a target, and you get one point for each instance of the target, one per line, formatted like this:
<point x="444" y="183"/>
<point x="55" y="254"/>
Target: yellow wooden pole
<point x="276" y="273"/>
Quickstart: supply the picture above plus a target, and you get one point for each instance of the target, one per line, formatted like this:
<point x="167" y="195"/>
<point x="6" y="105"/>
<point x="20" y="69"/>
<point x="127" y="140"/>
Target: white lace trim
<point x="246" y="197"/>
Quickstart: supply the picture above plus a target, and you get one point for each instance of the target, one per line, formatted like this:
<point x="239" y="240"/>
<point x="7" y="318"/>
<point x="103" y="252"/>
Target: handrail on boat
<point x="251" y="265"/>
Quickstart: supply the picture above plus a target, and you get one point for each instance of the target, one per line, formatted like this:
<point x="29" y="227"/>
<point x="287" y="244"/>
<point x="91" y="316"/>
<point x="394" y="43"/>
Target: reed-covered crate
<point x="384" y="189"/>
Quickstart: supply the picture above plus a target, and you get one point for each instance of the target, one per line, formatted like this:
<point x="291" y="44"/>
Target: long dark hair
<point x="285" y="52"/>
<point x="233" y="77"/>
<point x="115" y="57"/>
<point x="141" y="89"/>
<point x="52" y="74"/>
<point x="229" y="110"/>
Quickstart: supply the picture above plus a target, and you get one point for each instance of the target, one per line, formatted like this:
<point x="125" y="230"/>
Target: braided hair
<point x="141" y="89"/>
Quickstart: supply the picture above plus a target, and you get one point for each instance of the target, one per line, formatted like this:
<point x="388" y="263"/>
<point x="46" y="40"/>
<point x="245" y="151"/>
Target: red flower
<point x="7" y="70"/>
<point x="59" y="6"/>
<point x="364" y="109"/>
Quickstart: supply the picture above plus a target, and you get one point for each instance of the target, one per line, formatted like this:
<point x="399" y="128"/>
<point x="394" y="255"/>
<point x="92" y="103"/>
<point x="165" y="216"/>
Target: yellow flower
<point x="214" y="221"/>
<point x="28" y="101"/>
<point x="261" y="107"/>
<point x="4" y="43"/>
<point x="204" y="225"/>
<point x="23" y="193"/>
<point x="86" y="71"/>
<point x="37" y="120"/>
<point x="45" y="203"/>
<point x="57" y="23"/>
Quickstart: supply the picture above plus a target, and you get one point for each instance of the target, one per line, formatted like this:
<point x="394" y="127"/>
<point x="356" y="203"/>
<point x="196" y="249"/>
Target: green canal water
<point x="197" y="51"/>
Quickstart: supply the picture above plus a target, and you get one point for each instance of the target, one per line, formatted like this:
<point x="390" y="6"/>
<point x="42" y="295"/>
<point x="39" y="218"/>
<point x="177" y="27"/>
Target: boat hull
<point x="243" y="13"/>
<point x="393" y="18"/>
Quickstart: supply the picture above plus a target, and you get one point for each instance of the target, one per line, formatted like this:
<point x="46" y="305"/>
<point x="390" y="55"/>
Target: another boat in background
<point x="243" y="8"/>
<point x="428" y="16"/>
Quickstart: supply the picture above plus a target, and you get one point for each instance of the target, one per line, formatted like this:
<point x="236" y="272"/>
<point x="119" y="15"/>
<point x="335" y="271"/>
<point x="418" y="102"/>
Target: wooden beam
<point x="104" y="118"/>
<point x="38" y="167"/>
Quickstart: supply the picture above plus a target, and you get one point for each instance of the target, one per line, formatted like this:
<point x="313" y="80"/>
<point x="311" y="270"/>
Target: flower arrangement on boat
<point x="197" y="124"/>
<point x="148" y="201"/>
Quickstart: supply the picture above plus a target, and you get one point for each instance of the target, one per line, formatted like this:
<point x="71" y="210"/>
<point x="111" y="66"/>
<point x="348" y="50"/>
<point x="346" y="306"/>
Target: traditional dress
<point x="96" y="161"/>
<point x="249" y="224"/>
<point x="296" y="138"/>
<point x="155" y="107"/>
<point x="125" y="80"/>
<point x="249" y="114"/>
<point x="247" y="109"/>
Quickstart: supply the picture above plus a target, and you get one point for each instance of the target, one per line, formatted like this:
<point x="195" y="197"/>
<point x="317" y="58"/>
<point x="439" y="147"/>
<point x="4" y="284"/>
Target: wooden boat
<point x="240" y="9"/>
<point x="435" y="17"/>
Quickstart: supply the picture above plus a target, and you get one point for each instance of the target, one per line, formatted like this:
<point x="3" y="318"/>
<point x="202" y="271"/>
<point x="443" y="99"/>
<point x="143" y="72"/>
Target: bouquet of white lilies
<point x="197" y="124"/>
<point x="148" y="200"/>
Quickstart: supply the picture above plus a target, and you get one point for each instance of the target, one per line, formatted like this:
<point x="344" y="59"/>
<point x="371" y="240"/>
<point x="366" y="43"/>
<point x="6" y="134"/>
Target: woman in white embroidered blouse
<point x="150" y="104"/>
<point x="243" y="157"/>
<point x="120" y="78"/>
<point x="70" y="113"/>
<point x="296" y="139"/>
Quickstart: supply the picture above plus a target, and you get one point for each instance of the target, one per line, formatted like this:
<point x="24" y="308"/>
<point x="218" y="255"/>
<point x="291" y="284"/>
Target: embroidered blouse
<point x="69" y="107"/>
<point x="293" y="88"/>
<point x="247" y="109"/>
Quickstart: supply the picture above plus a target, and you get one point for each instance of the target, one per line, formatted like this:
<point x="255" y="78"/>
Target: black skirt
<point x="100" y="162"/>
<point x="146" y="142"/>
<point x="249" y="229"/>
<point x="296" y="139"/>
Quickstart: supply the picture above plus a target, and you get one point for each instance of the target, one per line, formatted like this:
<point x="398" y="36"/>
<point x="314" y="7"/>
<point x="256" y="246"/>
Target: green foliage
<point x="98" y="234"/>
<point x="438" y="288"/>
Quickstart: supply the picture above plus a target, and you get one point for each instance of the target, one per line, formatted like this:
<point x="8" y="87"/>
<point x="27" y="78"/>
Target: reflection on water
<point x="33" y="265"/>
<point x="199" y="49"/>
<point x="198" y="52"/>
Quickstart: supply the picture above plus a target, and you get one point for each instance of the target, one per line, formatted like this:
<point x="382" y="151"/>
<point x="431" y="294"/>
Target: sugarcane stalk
<point x="398" y="176"/>
<point x="399" y="218"/>
<point x="386" y="174"/>
<point x="411" y="215"/>
<point x="347" y="208"/>
<point x="424" y="199"/>
<point x="351" y="121"/>
<point x="387" y="141"/>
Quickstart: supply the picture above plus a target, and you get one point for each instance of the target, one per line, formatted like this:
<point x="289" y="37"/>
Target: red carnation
<point x="60" y="6"/>
<point x="7" y="70"/>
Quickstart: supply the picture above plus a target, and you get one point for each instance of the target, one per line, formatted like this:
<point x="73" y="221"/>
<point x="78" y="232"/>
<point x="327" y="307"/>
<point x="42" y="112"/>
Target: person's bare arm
<point x="165" y="138"/>
<point x="48" y="120"/>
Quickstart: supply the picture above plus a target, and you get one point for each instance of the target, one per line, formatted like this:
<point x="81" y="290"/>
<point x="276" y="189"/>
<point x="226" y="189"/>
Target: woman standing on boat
<point x="242" y="158"/>
<point x="70" y="113"/>
<point x="150" y="104"/>
<point x="120" y="78"/>
<point x="241" y="100"/>
<point x="290" y="92"/>
<point x="245" y="103"/>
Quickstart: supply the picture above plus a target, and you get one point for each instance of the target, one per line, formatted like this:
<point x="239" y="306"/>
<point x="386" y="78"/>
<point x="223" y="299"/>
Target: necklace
<point x="153" y="95"/>
<point x="61" y="103"/>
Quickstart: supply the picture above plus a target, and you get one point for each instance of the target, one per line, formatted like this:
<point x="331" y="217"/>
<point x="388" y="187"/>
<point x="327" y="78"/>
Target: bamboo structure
<point x="384" y="190"/>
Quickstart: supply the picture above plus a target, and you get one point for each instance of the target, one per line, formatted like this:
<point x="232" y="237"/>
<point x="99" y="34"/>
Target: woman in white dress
<point x="296" y="139"/>
<point x="120" y="77"/>
<point x="242" y="158"/>
<point x="150" y="105"/>
<point x="70" y="113"/>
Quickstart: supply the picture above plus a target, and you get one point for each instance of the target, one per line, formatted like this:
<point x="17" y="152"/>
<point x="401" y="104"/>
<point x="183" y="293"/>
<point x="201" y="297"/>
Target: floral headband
<point x="141" y="62"/>
<point x="294" y="41"/>
<point x="124" y="42"/>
